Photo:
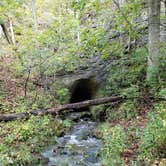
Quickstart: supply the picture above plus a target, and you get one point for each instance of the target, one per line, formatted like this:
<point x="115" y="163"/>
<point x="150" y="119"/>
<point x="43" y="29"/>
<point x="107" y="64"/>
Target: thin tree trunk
<point x="78" y="33"/>
<point x="165" y="21"/>
<point x="12" y="32"/>
<point x="34" y="15"/>
<point x="119" y="4"/>
<point x="5" y="33"/>
<point x="154" y="40"/>
<point x="165" y="6"/>
<point x="26" y="83"/>
<point x="1" y="32"/>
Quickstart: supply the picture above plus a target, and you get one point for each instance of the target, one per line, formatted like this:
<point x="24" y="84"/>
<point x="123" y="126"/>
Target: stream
<point x="79" y="147"/>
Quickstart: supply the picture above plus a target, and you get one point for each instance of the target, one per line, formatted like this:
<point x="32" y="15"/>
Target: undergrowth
<point x="115" y="140"/>
<point x="134" y="122"/>
<point x="22" y="141"/>
<point x="153" y="137"/>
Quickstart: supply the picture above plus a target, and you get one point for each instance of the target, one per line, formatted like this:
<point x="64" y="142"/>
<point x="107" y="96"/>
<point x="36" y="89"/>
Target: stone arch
<point x="83" y="89"/>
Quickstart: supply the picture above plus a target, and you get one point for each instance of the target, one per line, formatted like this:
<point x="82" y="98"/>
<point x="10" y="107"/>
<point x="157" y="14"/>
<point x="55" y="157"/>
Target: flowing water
<point x="78" y="148"/>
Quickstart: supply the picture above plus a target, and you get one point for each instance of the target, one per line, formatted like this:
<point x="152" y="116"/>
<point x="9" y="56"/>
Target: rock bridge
<point x="84" y="83"/>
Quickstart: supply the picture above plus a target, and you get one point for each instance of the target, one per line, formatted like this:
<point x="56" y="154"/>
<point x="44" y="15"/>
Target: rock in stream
<point x="77" y="148"/>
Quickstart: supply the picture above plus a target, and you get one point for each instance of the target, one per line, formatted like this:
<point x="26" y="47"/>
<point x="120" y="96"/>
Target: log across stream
<point x="59" y="109"/>
<point x="71" y="106"/>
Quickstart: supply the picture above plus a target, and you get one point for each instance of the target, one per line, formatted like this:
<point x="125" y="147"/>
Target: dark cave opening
<point x="82" y="89"/>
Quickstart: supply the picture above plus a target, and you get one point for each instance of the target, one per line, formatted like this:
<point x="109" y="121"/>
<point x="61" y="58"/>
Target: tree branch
<point x="116" y="3"/>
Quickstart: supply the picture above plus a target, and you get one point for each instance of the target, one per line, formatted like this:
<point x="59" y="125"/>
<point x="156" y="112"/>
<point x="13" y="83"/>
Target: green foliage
<point x="33" y="102"/>
<point x="3" y="92"/>
<point x="114" y="144"/>
<point x="10" y="8"/>
<point x="128" y="73"/>
<point x="1" y="22"/>
<point x="131" y="92"/>
<point x="162" y="71"/>
<point x="128" y="110"/>
<point x="79" y="4"/>
<point x="152" y="144"/>
<point x="42" y="100"/>
<point x="97" y="112"/>
<point x="23" y="141"/>
<point x="67" y="123"/>
<point x="162" y="92"/>
<point x="125" y="18"/>
<point x="69" y="34"/>
<point x="62" y="93"/>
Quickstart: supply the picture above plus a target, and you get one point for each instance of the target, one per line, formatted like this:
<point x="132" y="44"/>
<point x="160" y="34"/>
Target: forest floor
<point x="131" y="153"/>
<point x="29" y="138"/>
<point x="10" y="85"/>
<point x="133" y="128"/>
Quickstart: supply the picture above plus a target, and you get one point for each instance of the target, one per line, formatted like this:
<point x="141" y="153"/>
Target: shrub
<point x="152" y="144"/>
<point x="114" y="144"/>
<point x="21" y="142"/>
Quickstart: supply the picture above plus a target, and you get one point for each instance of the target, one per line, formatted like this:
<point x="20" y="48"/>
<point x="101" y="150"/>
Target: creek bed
<point x="78" y="148"/>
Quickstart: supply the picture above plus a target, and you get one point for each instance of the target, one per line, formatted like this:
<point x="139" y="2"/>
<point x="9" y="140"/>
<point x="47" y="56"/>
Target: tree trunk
<point x="0" y="33"/>
<point x="154" y="41"/>
<point x="55" y="111"/>
<point x="165" y="6"/>
<point x="59" y="109"/>
<point x="165" y="21"/>
<point x="12" y="32"/>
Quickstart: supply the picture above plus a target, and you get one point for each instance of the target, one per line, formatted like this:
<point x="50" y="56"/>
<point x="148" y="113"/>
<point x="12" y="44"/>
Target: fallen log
<point x="57" y="110"/>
